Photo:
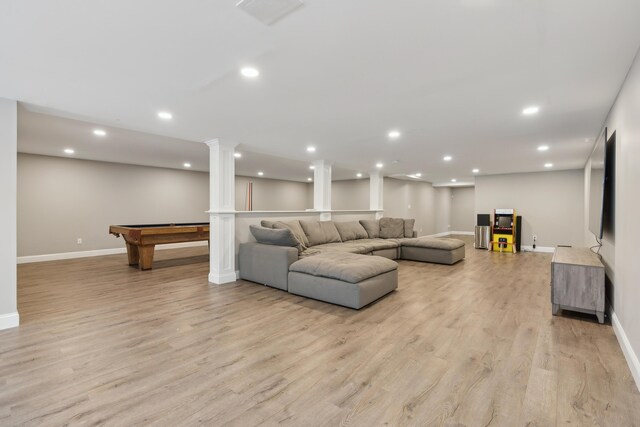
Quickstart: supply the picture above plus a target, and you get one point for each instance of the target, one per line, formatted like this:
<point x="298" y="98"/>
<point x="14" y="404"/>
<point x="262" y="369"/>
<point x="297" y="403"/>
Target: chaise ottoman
<point x="429" y="249"/>
<point x="347" y="279"/>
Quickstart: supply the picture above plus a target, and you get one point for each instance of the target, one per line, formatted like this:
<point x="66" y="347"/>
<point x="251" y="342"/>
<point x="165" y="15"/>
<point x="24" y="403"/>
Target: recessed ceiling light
<point x="260" y="173"/>
<point x="543" y="148"/>
<point x="309" y="179"/>
<point x="394" y="134"/>
<point x="359" y="175"/>
<point x="531" y="110"/>
<point x="475" y="170"/>
<point x="447" y="158"/>
<point x="69" y="150"/>
<point x="165" y="115"/>
<point x="548" y="165"/>
<point x="250" y="72"/>
<point x="187" y="165"/>
<point x="312" y="167"/>
<point x="379" y="165"/>
<point x="311" y="149"/>
<point x="237" y="155"/>
<point x="454" y="180"/>
<point x="99" y="132"/>
<point x="418" y="174"/>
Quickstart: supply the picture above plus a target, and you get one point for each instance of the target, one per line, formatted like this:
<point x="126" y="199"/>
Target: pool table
<point x="142" y="239"/>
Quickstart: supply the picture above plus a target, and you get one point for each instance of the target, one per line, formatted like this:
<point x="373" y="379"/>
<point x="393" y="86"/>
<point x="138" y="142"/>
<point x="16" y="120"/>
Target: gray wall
<point x="463" y="209"/>
<point x="420" y="200"/>
<point x="621" y="259"/>
<point x="551" y="204"/>
<point x="60" y="200"/>
<point x="350" y="194"/>
<point x="402" y="199"/>
<point x="8" y="147"/>
<point x="273" y="194"/>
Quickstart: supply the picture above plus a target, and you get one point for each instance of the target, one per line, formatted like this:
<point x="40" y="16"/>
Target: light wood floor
<point x="467" y="345"/>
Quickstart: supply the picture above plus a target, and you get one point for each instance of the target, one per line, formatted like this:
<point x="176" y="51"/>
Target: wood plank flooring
<point x="467" y="345"/>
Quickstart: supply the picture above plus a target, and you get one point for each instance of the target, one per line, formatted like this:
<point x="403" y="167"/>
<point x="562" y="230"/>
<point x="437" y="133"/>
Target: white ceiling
<point x="50" y="135"/>
<point x="452" y="75"/>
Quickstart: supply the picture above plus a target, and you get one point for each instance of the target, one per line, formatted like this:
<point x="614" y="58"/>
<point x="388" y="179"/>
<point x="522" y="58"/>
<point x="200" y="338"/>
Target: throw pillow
<point x="351" y="230"/>
<point x="296" y="229"/>
<point x="268" y="236"/>
<point x="319" y="232"/>
<point x="391" y="228"/>
<point x="408" y="227"/>
<point x="372" y="227"/>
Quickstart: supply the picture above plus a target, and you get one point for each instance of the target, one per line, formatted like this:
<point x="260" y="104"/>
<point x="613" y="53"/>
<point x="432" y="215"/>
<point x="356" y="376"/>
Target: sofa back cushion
<point x="295" y="228"/>
<point x="408" y="227"/>
<point x="320" y="232"/>
<point x="270" y="236"/>
<point x="351" y="230"/>
<point x="372" y="227"/>
<point x="391" y="228"/>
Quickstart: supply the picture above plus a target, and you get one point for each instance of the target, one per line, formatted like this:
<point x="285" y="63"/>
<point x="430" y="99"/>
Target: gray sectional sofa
<point x="301" y="257"/>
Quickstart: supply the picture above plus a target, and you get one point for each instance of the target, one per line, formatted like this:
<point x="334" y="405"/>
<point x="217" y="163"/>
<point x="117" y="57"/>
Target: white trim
<point x="629" y="354"/>
<point x="543" y="249"/>
<point x="221" y="279"/>
<point x="9" y="320"/>
<point x="98" y="252"/>
<point x="463" y="233"/>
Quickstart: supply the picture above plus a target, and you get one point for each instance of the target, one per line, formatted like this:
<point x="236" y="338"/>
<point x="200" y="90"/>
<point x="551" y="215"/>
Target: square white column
<point x="322" y="189"/>
<point x="9" y="317"/>
<point x="376" y="187"/>
<point x="222" y="239"/>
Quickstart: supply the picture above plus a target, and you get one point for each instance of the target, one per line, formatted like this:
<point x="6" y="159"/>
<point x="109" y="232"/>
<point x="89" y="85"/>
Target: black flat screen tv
<point x="602" y="186"/>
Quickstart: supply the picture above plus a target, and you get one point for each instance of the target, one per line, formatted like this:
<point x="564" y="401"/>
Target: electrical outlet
<point x="79" y="241"/>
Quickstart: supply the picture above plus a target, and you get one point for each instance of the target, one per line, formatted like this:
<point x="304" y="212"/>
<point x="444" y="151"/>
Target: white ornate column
<point x="376" y="186"/>
<point x="322" y="189"/>
<point x="222" y="250"/>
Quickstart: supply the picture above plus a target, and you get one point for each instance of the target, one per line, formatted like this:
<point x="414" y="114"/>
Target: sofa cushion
<point x="266" y="223"/>
<point x="347" y="267"/>
<point x="434" y="243"/>
<point x="351" y="246"/>
<point x="376" y="244"/>
<point x="296" y="228"/>
<point x="351" y="230"/>
<point x="319" y="232"/>
<point x="269" y="236"/>
<point x="372" y="227"/>
<point x="408" y="227"/>
<point x="391" y="228"/>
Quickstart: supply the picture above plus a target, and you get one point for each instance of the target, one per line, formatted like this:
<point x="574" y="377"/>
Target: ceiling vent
<point x="269" y="11"/>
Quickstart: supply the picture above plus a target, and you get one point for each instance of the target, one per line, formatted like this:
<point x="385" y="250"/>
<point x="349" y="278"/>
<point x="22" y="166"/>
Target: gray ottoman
<point x="347" y="279"/>
<point x="429" y="249"/>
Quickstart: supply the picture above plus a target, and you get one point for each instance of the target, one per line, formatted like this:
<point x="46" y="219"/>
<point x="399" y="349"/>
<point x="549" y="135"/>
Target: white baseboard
<point x="464" y="233"/>
<point x="221" y="279"/>
<point x="629" y="354"/>
<point x="98" y="252"/>
<point x="544" y="249"/>
<point x="9" y="320"/>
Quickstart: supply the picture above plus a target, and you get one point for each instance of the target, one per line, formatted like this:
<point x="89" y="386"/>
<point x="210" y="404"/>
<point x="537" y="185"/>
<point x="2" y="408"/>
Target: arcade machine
<point x="504" y="230"/>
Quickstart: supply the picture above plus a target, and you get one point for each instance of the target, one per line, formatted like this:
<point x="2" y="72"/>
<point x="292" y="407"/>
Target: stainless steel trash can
<point x="483" y="237"/>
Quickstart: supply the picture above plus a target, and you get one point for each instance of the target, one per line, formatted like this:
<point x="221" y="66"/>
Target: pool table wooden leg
<point x="132" y="253"/>
<point x="146" y="256"/>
